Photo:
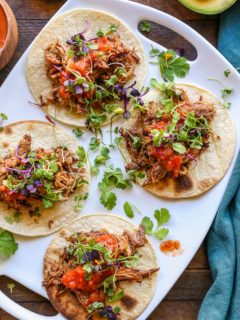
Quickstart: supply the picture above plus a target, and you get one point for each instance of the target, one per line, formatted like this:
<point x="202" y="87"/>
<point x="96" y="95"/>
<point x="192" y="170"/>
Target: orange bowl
<point x="8" y="34"/>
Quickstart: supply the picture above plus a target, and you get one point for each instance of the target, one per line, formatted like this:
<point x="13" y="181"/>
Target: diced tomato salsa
<point x="170" y="161"/>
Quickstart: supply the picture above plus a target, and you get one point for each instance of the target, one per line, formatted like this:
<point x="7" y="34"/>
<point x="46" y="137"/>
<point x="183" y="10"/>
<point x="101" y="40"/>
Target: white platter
<point x="190" y="219"/>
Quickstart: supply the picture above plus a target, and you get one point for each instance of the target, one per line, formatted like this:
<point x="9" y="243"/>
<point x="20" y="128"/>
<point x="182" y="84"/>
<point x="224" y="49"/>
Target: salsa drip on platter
<point x="93" y="265"/>
<point x="167" y="136"/>
<point x="89" y="75"/>
<point x="29" y="178"/>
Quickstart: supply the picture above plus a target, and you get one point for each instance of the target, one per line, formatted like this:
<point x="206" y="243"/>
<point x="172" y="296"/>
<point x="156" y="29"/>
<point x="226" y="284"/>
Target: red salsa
<point x="3" y="27"/>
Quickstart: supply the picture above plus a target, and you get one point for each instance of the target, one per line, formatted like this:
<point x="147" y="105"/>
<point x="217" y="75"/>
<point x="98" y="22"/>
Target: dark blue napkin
<point x="222" y="302"/>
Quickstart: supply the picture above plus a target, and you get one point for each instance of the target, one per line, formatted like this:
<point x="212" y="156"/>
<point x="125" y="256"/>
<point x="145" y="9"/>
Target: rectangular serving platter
<point x="190" y="219"/>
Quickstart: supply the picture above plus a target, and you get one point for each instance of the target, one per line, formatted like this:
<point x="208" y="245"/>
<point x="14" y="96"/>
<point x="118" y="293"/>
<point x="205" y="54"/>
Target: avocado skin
<point x="216" y="10"/>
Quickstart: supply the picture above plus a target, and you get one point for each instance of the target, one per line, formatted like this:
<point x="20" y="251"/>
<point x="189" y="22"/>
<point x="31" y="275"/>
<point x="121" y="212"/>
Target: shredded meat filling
<point x="148" y="158"/>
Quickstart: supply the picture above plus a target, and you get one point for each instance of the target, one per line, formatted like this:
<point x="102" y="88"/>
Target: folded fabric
<point x="222" y="301"/>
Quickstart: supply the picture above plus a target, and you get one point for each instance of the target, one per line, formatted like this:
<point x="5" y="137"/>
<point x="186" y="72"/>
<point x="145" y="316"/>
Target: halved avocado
<point x="207" y="6"/>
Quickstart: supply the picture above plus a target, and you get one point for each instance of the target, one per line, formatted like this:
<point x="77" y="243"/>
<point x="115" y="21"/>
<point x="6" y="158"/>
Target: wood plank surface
<point x="184" y="299"/>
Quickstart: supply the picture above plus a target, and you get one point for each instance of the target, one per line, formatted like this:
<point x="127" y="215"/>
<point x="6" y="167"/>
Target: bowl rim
<point x="2" y="5"/>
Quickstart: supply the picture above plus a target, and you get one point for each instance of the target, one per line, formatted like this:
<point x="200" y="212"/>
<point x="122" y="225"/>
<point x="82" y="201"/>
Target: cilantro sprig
<point x="113" y="178"/>
<point x="161" y="216"/>
<point x="170" y="65"/>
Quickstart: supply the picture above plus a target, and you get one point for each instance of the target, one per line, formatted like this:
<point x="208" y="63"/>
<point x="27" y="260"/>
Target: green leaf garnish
<point x="128" y="209"/>
<point x="94" y="143"/>
<point x="162" y="216"/>
<point x="108" y="200"/>
<point x="170" y="65"/>
<point x="8" y="245"/>
<point x="227" y="73"/>
<point x="78" y="132"/>
<point x="145" y="26"/>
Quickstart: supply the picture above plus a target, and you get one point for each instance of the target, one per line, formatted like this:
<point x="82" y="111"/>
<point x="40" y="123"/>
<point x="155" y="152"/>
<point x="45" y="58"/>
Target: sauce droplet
<point x="171" y="248"/>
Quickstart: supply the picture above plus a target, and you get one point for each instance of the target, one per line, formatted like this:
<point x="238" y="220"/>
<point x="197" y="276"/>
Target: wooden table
<point x="185" y="298"/>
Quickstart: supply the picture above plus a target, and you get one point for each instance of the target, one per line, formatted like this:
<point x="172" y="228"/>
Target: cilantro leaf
<point x="162" y="216"/>
<point x="161" y="233"/>
<point x="82" y="156"/>
<point x="94" y="170"/>
<point x="145" y="26"/>
<point x="3" y="116"/>
<point x="227" y="73"/>
<point x="148" y="225"/>
<point x="112" y="178"/>
<point x="78" y="132"/>
<point x="170" y="65"/>
<point x="94" y="143"/>
<point x="128" y="209"/>
<point x="154" y="52"/>
<point x="108" y="200"/>
<point x="8" y="245"/>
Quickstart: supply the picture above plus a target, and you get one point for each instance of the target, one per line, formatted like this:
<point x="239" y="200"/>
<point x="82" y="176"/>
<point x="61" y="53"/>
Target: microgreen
<point x="11" y="286"/>
<point x="95" y="306"/>
<point x="226" y="92"/>
<point x="3" y="117"/>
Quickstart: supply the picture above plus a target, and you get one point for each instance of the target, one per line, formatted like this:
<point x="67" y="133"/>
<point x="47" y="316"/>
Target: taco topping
<point x="88" y="74"/>
<point x="168" y="136"/>
<point x="29" y="178"/>
<point x="94" y="263"/>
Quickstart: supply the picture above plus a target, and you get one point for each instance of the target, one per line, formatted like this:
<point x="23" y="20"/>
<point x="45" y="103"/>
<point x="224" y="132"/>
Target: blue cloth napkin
<point x="222" y="302"/>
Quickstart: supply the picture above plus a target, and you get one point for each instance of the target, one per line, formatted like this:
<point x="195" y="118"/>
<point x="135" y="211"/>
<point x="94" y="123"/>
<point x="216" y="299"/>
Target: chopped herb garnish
<point x="145" y="26"/>
<point x="227" y="73"/>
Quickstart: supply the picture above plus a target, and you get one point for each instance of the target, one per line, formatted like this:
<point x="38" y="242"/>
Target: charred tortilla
<point x="62" y="29"/>
<point x="41" y="221"/>
<point x="210" y="165"/>
<point x="136" y="295"/>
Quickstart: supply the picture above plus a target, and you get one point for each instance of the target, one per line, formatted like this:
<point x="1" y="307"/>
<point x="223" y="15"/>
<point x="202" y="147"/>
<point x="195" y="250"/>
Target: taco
<point x="84" y="65"/>
<point x="44" y="178"/>
<point x="180" y="144"/>
<point x="100" y="267"/>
